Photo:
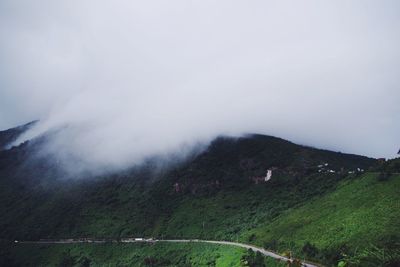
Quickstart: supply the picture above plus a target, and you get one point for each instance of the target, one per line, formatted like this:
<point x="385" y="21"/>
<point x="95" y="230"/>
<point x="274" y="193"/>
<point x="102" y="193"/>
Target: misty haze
<point x="199" y="133"/>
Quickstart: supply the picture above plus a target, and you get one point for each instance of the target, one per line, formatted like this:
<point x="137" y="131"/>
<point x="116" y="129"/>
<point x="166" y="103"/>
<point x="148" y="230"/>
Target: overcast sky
<point x="136" y="78"/>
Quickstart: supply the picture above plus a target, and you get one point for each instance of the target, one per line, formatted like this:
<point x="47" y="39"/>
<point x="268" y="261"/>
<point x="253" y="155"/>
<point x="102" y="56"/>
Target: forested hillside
<point x="316" y="204"/>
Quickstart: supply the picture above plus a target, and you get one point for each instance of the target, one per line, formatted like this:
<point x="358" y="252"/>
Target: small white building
<point x="268" y="176"/>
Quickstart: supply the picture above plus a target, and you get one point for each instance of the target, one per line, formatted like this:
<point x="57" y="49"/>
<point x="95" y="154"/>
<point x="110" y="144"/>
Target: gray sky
<point x="136" y="78"/>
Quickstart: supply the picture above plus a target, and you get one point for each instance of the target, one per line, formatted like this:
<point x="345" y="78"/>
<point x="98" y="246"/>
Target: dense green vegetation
<point x="361" y="215"/>
<point x="126" y="204"/>
<point x="333" y="214"/>
<point x="159" y="254"/>
<point x="356" y="223"/>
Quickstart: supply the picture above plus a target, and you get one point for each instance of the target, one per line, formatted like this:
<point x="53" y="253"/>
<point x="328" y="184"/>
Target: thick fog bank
<point x="129" y="80"/>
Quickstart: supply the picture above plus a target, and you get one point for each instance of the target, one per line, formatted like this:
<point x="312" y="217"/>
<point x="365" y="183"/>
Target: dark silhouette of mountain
<point x="10" y="135"/>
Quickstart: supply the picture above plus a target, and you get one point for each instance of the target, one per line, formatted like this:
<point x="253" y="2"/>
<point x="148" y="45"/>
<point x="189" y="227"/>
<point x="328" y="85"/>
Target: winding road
<point x="143" y="240"/>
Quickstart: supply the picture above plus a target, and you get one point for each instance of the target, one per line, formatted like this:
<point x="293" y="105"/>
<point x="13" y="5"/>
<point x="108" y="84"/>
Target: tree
<point x="252" y="259"/>
<point x="309" y="250"/>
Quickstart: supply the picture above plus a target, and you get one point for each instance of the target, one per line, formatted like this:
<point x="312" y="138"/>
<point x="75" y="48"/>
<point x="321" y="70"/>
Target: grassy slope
<point x="358" y="214"/>
<point x="227" y="214"/>
<point x="129" y="255"/>
<point x="223" y="215"/>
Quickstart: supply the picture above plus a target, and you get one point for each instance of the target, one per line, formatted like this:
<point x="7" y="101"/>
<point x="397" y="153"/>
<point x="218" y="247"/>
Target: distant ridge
<point x="11" y="134"/>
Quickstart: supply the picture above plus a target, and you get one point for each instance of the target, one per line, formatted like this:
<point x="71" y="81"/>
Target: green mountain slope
<point x="317" y="204"/>
<point x="359" y="215"/>
<point x="130" y="255"/>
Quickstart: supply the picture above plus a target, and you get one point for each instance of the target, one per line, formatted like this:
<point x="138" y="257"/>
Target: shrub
<point x="374" y="256"/>
<point x="309" y="250"/>
<point x="383" y="176"/>
<point x="150" y="261"/>
<point x="252" y="259"/>
<point x="272" y="245"/>
<point x="66" y="260"/>
<point x="252" y="237"/>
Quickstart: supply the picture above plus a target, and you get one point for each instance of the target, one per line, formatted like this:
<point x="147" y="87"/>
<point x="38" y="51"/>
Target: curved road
<point x="246" y="246"/>
<point x="138" y="240"/>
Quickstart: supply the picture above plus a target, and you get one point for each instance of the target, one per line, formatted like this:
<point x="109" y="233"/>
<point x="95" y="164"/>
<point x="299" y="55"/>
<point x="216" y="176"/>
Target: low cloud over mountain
<point x="120" y="82"/>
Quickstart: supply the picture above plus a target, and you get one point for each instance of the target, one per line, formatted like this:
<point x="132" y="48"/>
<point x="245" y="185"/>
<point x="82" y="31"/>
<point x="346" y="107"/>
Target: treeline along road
<point x="151" y="240"/>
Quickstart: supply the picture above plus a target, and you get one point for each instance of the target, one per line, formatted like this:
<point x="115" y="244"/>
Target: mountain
<point x="10" y="135"/>
<point x="322" y="205"/>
